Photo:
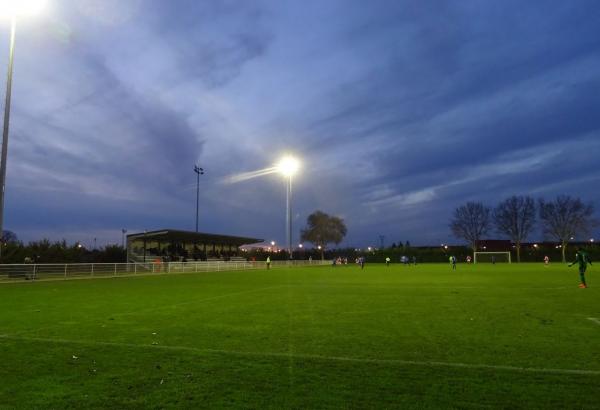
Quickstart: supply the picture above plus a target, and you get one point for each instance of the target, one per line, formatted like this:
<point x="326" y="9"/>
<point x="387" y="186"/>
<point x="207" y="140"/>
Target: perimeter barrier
<point x="65" y="271"/>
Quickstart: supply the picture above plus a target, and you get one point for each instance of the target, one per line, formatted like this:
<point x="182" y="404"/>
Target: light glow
<point x="288" y="166"/>
<point x="16" y="8"/>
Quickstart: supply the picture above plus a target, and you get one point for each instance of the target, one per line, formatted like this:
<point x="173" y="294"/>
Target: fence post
<point x="66" y="270"/>
<point x="115" y="270"/>
<point x="34" y="267"/>
<point x="135" y="268"/>
<point x="169" y="267"/>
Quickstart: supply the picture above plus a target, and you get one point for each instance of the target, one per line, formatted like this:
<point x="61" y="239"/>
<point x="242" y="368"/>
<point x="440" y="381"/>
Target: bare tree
<point x="566" y="217"/>
<point x="515" y="217"/>
<point x="470" y="222"/>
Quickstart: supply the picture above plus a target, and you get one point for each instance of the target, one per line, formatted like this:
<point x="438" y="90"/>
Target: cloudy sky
<point x="400" y="111"/>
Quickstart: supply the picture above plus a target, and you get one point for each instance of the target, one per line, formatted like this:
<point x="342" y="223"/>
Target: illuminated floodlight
<point x="369" y="249"/>
<point x="272" y="243"/>
<point x="15" y="8"/>
<point x="319" y="247"/>
<point x="288" y="166"/>
<point x="300" y="246"/>
<point x="535" y="245"/>
<point x="592" y="240"/>
<point x="446" y="247"/>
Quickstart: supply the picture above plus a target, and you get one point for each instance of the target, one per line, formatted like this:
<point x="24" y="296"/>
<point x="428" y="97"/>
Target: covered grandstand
<point x="176" y="245"/>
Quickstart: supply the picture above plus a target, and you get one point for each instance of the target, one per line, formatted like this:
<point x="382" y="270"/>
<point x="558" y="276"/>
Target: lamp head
<point x="17" y="8"/>
<point x="288" y="166"/>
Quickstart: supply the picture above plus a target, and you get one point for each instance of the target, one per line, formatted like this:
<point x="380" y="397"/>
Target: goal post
<point x="491" y="257"/>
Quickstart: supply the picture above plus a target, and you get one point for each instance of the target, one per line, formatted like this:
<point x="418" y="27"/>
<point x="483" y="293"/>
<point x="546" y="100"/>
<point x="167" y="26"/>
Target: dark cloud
<point x="400" y="110"/>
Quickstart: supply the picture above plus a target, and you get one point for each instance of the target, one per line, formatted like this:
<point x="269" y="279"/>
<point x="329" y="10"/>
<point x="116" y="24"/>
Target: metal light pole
<point x="199" y="171"/>
<point x="123" y="231"/>
<point x="289" y="216"/>
<point x="11" y="55"/>
<point x="145" y="246"/>
<point x="288" y="166"/>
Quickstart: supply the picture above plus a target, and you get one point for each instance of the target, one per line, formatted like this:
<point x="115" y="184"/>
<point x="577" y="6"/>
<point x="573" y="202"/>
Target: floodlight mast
<point x="199" y="171"/>
<point x="9" y="76"/>
<point x="288" y="166"/>
<point x="13" y="9"/>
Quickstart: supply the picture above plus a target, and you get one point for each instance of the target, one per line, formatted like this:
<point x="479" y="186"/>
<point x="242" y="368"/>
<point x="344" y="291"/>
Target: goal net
<point x="491" y="257"/>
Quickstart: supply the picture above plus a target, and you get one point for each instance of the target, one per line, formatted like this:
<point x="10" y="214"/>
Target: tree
<point x="515" y="217"/>
<point x="322" y="229"/>
<point x="470" y="222"/>
<point x="566" y="217"/>
<point x="9" y="237"/>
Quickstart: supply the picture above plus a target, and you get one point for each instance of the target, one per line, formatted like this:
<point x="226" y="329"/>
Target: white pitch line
<point x="595" y="320"/>
<point x="312" y="356"/>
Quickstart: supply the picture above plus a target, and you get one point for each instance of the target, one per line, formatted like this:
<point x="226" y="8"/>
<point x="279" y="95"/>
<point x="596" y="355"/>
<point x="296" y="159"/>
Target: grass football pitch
<point x="503" y="336"/>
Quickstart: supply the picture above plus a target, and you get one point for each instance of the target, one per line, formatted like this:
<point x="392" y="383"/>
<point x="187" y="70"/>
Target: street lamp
<point x="199" y="171"/>
<point x="288" y="167"/>
<point x="12" y="9"/>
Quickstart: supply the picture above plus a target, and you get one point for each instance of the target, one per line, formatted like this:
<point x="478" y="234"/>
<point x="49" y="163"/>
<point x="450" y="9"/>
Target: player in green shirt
<point x="582" y="259"/>
<point x="452" y="260"/>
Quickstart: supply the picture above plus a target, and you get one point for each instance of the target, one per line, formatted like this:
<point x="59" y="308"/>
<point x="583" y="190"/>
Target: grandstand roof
<point x="188" y="236"/>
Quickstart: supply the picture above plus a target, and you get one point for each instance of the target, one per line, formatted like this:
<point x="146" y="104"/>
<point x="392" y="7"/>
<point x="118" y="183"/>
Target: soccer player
<point x="546" y="260"/>
<point x="582" y="259"/>
<point x="453" y="262"/>
<point x="268" y="262"/>
<point x="361" y="260"/>
<point x="468" y="259"/>
<point x="387" y="261"/>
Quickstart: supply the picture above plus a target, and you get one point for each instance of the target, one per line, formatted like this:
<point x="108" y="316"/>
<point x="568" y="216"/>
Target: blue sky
<point x="400" y="111"/>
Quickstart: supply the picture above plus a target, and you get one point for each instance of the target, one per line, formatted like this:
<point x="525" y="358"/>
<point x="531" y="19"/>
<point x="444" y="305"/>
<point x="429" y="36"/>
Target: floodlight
<point x="288" y="166"/>
<point x="272" y="243"/>
<point x="301" y="246"/>
<point x="14" y="8"/>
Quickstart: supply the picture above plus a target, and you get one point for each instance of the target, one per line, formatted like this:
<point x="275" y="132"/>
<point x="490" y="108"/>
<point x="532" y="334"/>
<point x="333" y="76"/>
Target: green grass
<point x="504" y="336"/>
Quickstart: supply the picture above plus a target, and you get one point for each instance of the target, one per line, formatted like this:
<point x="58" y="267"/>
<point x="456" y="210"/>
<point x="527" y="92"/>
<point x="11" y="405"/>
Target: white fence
<point x="64" y="271"/>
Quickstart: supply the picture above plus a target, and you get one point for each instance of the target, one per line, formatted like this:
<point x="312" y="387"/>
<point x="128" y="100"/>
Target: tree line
<point x="46" y="251"/>
<point x="561" y="219"/>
